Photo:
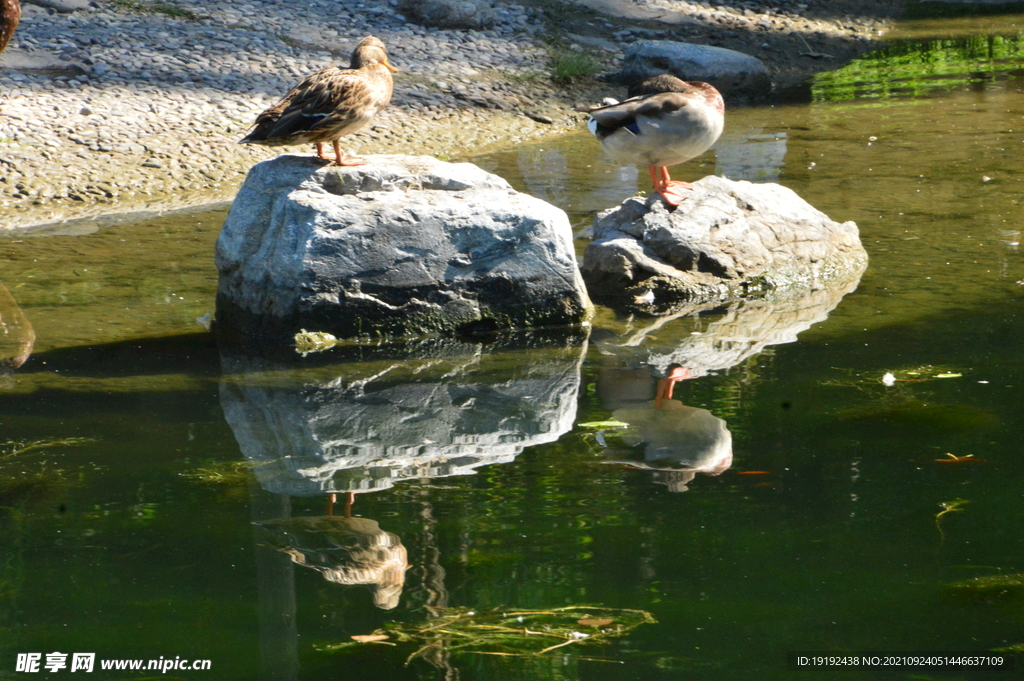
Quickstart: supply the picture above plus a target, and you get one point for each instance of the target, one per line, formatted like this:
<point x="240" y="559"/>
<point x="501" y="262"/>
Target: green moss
<point x="166" y="8"/>
<point x="920" y="415"/>
<point x="989" y="588"/>
<point x="931" y="9"/>
<point x="27" y="482"/>
<point x="1016" y="648"/>
<point x="32" y="488"/>
<point x="223" y="473"/>
<point x="570" y="65"/>
<point x="313" y="341"/>
<point x="918" y="68"/>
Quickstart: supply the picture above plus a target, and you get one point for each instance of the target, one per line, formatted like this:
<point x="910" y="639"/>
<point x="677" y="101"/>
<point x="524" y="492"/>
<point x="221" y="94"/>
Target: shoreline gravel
<point x="154" y="126"/>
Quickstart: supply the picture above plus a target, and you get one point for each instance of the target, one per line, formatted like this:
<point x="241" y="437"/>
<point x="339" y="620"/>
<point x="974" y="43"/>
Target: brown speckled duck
<point x="665" y="121"/>
<point x="10" y="15"/>
<point x="330" y="104"/>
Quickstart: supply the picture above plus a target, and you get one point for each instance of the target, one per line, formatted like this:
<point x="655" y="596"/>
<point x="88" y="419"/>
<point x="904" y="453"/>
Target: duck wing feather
<point x="624" y="114"/>
<point x="330" y="99"/>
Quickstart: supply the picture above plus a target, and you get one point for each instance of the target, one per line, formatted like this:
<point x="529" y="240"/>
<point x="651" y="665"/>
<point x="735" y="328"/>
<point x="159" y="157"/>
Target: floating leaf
<point x="603" y="424"/>
<point x="953" y="458"/>
<point x="588" y="622"/>
<point x="949" y="375"/>
<point x="370" y="638"/>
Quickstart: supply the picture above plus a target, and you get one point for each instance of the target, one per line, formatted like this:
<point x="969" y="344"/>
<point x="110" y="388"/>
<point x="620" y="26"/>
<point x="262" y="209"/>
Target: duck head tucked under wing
<point x="670" y="121"/>
<point x="330" y="104"/>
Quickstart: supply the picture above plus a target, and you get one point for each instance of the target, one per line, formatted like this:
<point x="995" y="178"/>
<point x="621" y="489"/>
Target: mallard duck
<point x="10" y="15"/>
<point x="665" y="121"/>
<point x="330" y="104"/>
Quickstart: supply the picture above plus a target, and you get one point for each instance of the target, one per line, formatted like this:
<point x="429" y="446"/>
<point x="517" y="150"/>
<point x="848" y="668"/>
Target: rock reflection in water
<point x="576" y="187"/>
<point x="547" y="176"/>
<point x="738" y="331"/>
<point x="364" y="426"/>
<point x="751" y="154"/>
<point x="345" y="550"/>
<point x="361" y="427"/>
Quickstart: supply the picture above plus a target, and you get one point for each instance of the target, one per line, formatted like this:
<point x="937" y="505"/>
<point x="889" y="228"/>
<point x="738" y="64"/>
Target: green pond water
<point x="163" y="498"/>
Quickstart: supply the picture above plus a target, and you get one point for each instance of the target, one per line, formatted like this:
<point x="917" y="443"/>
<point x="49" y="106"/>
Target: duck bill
<point x="390" y="68"/>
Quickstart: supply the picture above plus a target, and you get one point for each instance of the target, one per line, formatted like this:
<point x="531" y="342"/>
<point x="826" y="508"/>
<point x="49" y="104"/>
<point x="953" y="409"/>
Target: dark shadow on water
<point x="194" y="353"/>
<point x="941" y="10"/>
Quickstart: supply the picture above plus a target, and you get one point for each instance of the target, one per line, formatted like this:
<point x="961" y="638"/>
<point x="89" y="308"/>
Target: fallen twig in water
<point x="510" y="633"/>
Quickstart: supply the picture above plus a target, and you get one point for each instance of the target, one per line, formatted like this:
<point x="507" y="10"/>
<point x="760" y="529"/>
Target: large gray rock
<point x="726" y="240"/>
<point x="474" y="14"/>
<point x="363" y="427"/>
<point x="739" y="77"/>
<point x="400" y="246"/>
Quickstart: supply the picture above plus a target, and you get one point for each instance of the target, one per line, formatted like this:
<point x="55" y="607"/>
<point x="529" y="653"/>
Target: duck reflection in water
<point x="345" y="550"/>
<point x="679" y="441"/>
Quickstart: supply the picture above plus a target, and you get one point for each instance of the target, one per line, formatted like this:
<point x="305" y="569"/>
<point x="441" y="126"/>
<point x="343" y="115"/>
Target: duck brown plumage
<point x="10" y="15"/>
<point x="330" y="104"/>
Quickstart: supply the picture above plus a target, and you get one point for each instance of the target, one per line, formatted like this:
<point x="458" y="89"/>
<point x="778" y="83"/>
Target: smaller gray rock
<point x="739" y="77"/>
<point x="62" y="5"/>
<point x="474" y="14"/>
<point x="726" y="240"/>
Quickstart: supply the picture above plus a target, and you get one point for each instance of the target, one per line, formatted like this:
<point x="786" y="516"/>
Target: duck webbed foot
<point x="672" y="191"/>
<point x="339" y="158"/>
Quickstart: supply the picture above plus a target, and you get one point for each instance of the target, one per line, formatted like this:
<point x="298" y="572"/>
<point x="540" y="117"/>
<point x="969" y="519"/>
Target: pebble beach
<point x="149" y="101"/>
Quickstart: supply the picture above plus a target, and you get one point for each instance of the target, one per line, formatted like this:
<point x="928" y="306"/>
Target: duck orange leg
<point x="339" y="158"/>
<point x="667" y="385"/>
<point x="343" y="160"/>
<point x="672" y="191"/>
